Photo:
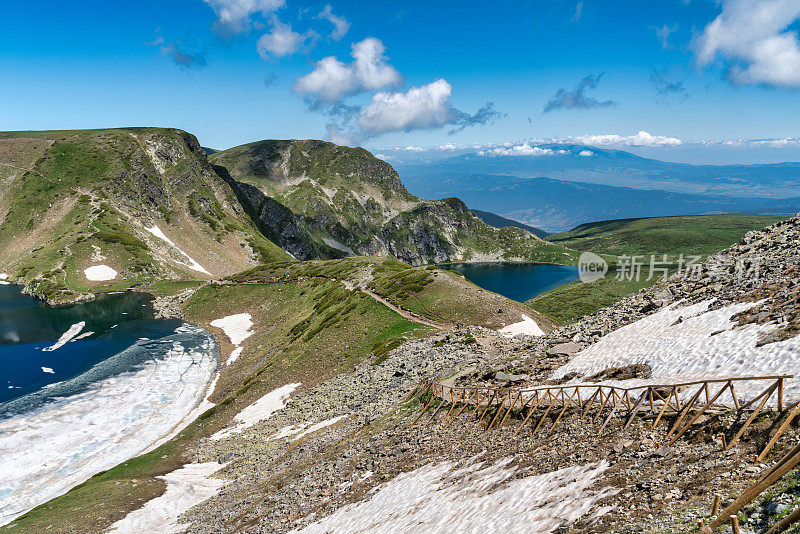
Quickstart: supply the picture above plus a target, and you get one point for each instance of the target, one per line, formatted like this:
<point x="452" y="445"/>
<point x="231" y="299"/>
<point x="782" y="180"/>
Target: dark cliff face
<point x="342" y="201"/>
<point x="274" y="220"/>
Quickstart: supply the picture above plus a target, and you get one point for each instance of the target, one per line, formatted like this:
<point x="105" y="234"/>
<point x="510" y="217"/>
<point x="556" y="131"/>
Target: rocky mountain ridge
<point x="346" y="202"/>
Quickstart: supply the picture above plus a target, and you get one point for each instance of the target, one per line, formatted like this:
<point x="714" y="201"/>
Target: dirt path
<point x="405" y="313"/>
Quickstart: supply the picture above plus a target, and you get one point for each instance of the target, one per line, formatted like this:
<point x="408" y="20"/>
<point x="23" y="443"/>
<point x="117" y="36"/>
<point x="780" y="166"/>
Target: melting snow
<point x="48" y="370"/>
<point x="4" y="279"/>
<point x="260" y="410"/>
<point x="238" y="328"/>
<point x="100" y="273"/>
<point x="319" y="426"/>
<point x="690" y="342"/>
<point x="65" y="338"/>
<point x="526" y="326"/>
<point x="190" y="262"/>
<point x="438" y="498"/>
<point x="45" y="452"/>
<point x="186" y="487"/>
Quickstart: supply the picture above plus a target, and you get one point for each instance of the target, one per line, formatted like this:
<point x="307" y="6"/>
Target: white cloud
<point x="586" y="153"/>
<point x="332" y="80"/>
<point x="413" y="149"/>
<point x="386" y="157"/>
<point x="233" y="16"/>
<point x="525" y="149"/>
<point x="422" y="107"/>
<point x="450" y="146"/>
<point x="340" y="24"/>
<point x="640" y="139"/>
<point x="282" y="41"/>
<point x="750" y="36"/>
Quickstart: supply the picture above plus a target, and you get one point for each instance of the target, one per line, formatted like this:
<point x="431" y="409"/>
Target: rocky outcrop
<point x="345" y="201"/>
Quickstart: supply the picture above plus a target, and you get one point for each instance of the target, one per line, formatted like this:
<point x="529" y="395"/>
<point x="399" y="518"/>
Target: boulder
<point x="564" y="349"/>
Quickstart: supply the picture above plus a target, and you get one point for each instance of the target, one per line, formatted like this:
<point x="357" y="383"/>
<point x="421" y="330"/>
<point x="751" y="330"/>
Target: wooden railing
<point x="491" y="406"/>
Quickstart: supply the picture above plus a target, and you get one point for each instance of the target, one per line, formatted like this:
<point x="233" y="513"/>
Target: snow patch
<point x="100" y="273"/>
<point x="190" y="262"/>
<point x="260" y="410"/>
<point x="48" y="370"/>
<point x="683" y="343"/>
<point x="526" y="326"/>
<point x="287" y="431"/>
<point x="319" y="426"/>
<point x="235" y="353"/>
<point x="65" y="338"/>
<point x="238" y="328"/>
<point x="186" y="487"/>
<point x="4" y="279"/>
<point x="438" y="498"/>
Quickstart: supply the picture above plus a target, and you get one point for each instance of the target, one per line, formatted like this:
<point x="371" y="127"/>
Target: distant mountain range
<point x="561" y="188"/>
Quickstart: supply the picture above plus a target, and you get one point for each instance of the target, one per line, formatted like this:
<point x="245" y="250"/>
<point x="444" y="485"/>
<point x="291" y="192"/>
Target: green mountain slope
<point x="318" y="200"/>
<point x="70" y="200"/>
<point x="686" y="234"/>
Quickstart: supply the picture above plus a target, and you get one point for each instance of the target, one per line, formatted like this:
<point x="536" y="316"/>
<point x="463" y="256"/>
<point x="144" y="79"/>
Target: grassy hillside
<point x="308" y="327"/>
<point x="445" y="297"/>
<point x="694" y="234"/>
<point x="343" y="202"/>
<point x="74" y="199"/>
<point x="688" y="235"/>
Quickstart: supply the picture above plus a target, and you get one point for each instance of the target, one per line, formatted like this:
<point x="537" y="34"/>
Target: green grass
<point x="699" y="235"/>
<point x="696" y="234"/>
<point x="572" y="301"/>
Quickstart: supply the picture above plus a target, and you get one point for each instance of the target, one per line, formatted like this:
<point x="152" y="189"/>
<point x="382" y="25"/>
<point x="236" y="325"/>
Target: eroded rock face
<point x="345" y="201"/>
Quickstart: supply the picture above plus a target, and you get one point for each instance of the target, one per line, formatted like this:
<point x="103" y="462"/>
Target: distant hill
<point x="557" y="205"/>
<point x="699" y="234"/>
<point x="555" y="192"/>
<point x="497" y="221"/>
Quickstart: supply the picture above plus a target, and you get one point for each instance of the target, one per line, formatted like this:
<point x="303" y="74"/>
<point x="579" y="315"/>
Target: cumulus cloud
<point x="182" y="58"/>
<point x="340" y="24"/>
<point x="233" y="16"/>
<point x="665" y="86"/>
<point x="420" y="108"/>
<point x="525" y="149"/>
<point x="640" y="139"/>
<point x="282" y="40"/>
<point x="586" y="153"/>
<point x="576" y="98"/>
<point x="751" y="39"/>
<point x="332" y="80"/>
<point x="663" y="34"/>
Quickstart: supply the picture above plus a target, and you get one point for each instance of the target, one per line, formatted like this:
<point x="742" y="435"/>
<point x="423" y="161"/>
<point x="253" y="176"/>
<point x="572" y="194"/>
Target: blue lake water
<point x="27" y="327"/>
<point x="88" y="386"/>
<point x="517" y="281"/>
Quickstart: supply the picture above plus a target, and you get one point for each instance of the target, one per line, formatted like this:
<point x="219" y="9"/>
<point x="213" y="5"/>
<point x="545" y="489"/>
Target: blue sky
<point x="691" y="74"/>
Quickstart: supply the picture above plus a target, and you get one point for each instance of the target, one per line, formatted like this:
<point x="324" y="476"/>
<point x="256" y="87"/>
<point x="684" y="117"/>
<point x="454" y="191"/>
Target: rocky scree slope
<point x="143" y="202"/>
<point x="318" y="200"/>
